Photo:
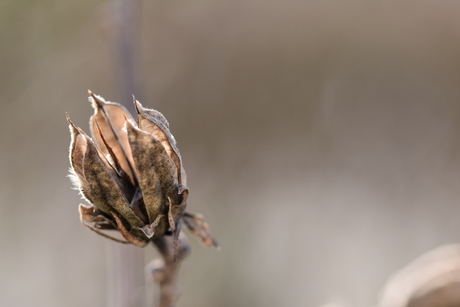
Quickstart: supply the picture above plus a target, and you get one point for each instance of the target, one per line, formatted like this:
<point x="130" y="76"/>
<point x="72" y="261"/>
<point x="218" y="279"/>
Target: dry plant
<point x="432" y="280"/>
<point x="131" y="174"/>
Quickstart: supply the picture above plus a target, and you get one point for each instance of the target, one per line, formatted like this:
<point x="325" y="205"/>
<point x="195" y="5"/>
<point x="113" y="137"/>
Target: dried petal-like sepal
<point x="126" y="234"/>
<point x="89" y="214"/>
<point x="154" y="123"/>
<point x="103" y="189"/>
<point x="107" y="129"/>
<point x="77" y="153"/>
<point x="155" y="170"/>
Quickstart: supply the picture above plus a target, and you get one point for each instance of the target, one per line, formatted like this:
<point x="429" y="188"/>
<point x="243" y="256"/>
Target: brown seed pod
<point x="131" y="174"/>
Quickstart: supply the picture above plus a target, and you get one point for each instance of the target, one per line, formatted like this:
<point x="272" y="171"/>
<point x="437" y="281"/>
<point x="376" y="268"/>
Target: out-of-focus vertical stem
<point x="125" y="278"/>
<point x="127" y="28"/>
<point x="126" y="285"/>
<point x="126" y="274"/>
<point x="165" y="271"/>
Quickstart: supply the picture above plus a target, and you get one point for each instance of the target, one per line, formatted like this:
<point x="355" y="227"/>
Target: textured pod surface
<point x="132" y="175"/>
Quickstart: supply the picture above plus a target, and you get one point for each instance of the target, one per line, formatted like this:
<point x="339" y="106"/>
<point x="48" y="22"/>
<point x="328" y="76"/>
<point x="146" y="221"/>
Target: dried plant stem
<point x="166" y="271"/>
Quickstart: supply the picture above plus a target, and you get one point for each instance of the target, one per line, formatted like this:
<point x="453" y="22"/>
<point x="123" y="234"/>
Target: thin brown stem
<point x="165" y="271"/>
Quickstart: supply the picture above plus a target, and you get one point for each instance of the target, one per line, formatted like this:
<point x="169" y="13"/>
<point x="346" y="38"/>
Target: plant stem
<point x="166" y="271"/>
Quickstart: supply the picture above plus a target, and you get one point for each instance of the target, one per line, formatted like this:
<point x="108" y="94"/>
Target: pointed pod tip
<point x="138" y="105"/>
<point x="72" y="125"/>
<point x="97" y="101"/>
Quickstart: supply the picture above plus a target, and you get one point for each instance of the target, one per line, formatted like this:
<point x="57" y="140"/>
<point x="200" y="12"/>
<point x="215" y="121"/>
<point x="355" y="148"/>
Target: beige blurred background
<point x="321" y="141"/>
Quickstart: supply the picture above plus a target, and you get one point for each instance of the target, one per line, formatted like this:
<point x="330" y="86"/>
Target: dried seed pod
<point x="432" y="280"/>
<point x="132" y="175"/>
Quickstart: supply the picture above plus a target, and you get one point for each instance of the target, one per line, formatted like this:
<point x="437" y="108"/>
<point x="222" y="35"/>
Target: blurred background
<point x="321" y="141"/>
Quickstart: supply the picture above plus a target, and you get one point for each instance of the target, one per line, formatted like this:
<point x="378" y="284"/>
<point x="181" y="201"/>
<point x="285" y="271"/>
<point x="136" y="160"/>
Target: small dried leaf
<point x="200" y="228"/>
